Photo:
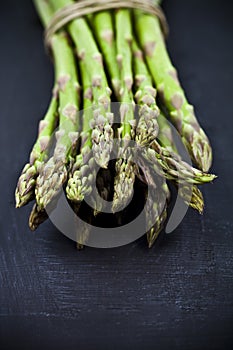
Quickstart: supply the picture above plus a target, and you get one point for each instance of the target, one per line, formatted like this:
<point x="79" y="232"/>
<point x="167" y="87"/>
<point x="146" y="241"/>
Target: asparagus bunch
<point x="121" y="51"/>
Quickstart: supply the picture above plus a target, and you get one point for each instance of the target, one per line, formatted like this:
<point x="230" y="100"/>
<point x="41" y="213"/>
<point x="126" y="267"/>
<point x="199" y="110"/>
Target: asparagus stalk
<point x="123" y="182"/>
<point x="125" y="170"/>
<point x="195" y="198"/>
<point x="178" y="171"/>
<point x="81" y="175"/>
<point x="165" y="77"/>
<point x="146" y="132"/>
<point x="103" y="26"/>
<point x="124" y="59"/>
<point x="156" y="210"/>
<point x="53" y="174"/>
<point x="83" y="230"/>
<point x="84" y="170"/>
<point x="157" y="215"/>
<point x="170" y="166"/>
<point x="147" y="128"/>
<point x="25" y="190"/>
<point x="102" y="135"/>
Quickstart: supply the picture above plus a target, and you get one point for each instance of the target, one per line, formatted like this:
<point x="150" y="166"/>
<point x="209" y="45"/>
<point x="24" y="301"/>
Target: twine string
<point x="85" y="7"/>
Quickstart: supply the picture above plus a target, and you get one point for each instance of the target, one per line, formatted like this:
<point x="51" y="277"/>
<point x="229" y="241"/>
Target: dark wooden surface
<point x="177" y="295"/>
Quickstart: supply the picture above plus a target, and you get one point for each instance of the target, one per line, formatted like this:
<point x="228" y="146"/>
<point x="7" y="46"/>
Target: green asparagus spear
<point x="102" y="135"/>
<point x="146" y="132"/>
<point x="157" y="215"/>
<point x="157" y="200"/>
<point x="37" y="217"/>
<point x="165" y="77"/>
<point x="83" y="228"/>
<point x="84" y="170"/>
<point x="124" y="58"/>
<point x="81" y="175"/>
<point x="103" y="26"/>
<point x="147" y="128"/>
<point x="25" y="190"/>
<point x="190" y="193"/>
<point x="170" y="166"/>
<point x="125" y="170"/>
<point x="53" y="174"/>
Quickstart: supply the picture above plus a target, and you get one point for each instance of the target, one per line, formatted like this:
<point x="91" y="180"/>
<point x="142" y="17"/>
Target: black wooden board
<point x="177" y="295"/>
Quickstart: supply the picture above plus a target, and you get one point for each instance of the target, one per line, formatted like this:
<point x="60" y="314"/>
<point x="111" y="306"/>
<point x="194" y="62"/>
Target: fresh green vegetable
<point x="104" y="30"/>
<point x="120" y="51"/>
<point x="102" y="135"/>
<point x="125" y="169"/>
<point x="25" y="190"/>
<point x="151" y="39"/>
<point x="53" y="174"/>
<point x="147" y="128"/>
<point x="190" y="193"/>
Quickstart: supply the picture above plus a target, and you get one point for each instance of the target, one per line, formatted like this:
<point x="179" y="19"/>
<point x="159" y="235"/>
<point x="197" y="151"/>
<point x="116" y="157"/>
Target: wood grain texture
<point x="177" y="295"/>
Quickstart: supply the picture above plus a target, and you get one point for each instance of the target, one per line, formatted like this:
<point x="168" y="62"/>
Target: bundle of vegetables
<point x="113" y="56"/>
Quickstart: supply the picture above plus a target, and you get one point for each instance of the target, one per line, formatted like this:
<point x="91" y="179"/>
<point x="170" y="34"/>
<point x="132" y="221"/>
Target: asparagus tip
<point x="25" y="186"/>
<point x="80" y="183"/>
<point x="102" y="138"/>
<point x="36" y="218"/>
<point x="123" y="184"/>
<point x="152" y="235"/>
<point x="200" y="149"/>
<point x="50" y="181"/>
<point x="80" y="246"/>
<point x="199" y="206"/>
<point x="18" y="201"/>
<point x="102" y="154"/>
<point x="147" y="129"/>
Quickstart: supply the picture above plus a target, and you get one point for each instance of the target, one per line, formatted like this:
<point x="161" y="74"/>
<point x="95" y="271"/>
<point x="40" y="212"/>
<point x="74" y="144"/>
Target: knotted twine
<point x="85" y="7"/>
